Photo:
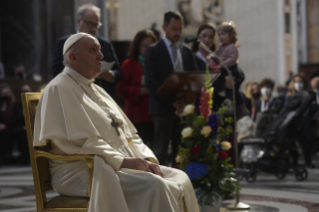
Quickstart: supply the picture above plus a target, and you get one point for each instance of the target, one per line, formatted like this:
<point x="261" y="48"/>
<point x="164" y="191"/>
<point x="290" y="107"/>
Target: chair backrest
<point x="40" y="166"/>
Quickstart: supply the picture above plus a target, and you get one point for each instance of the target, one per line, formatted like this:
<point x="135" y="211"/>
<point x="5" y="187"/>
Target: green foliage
<point x="220" y="175"/>
<point x="207" y="81"/>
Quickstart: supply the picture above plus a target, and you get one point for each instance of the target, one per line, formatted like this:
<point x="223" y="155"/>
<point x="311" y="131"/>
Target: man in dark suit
<point x="89" y="22"/>
<point x="162" y="59"/>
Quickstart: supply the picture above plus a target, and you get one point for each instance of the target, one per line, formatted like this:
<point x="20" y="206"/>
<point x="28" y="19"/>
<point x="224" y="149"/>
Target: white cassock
<point x="72" y="114"/>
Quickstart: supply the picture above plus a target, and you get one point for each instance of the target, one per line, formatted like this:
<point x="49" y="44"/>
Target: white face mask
<point x="298" y="86"/>
<point x="266" y="91"/>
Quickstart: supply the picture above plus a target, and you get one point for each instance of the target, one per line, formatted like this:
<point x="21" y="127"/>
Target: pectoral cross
<point x="115" y="124"/>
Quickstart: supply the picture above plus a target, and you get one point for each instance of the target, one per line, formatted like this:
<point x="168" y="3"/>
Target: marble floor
<point x="267" y="194"/>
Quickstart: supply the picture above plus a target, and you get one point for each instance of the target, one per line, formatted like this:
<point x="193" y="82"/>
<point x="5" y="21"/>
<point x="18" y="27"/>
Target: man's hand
<point x="107" y="75"/>
<point x="144" y="91"/>
<point x="2" y="127"/>
<point x="179" y="105"/>
<point x="143" y="165"/>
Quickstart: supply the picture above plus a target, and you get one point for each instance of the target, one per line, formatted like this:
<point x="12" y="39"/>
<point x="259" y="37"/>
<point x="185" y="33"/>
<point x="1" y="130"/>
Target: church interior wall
<point x="260" y="30"/>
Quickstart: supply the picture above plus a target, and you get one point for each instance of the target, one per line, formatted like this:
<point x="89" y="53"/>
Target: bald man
<point x="78" y="117"/>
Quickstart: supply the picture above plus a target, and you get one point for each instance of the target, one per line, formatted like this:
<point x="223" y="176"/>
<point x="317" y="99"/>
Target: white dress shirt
<point x="168" y="44"/>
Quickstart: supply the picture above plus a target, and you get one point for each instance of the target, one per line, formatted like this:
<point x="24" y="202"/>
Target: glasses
<point x="92" y="25"/>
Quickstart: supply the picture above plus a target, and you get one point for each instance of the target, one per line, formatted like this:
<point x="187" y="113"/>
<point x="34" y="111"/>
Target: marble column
<point x="313" y="31"/>
<point x="18" y="35"/>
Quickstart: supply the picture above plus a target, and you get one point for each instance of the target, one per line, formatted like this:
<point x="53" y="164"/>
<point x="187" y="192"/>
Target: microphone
<point x="191" y="39"/>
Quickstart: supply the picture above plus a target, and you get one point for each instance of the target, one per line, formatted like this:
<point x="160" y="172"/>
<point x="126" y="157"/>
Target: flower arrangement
<point x="203" y="155"/>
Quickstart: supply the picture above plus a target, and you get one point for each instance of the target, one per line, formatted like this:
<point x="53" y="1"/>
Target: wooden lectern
<point x="188" y="83"/>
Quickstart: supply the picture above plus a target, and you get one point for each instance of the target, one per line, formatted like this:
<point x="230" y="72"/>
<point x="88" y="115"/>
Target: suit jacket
<point x="128" y="88"/>
<point x="158" y="67"/>
<point x="109" y="56"/>
<point x="274" y="107"/>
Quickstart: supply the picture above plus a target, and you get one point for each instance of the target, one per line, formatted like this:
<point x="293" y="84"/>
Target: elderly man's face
<point x="89" y="23"/>
<point x="89" y="57"/>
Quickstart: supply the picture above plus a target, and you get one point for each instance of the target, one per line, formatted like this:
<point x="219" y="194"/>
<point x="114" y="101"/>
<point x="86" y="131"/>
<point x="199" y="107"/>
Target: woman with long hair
<point x="132" y="88"/>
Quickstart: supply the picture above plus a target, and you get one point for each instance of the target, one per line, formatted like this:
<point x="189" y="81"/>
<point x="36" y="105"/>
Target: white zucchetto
<point x="73" y="39"/>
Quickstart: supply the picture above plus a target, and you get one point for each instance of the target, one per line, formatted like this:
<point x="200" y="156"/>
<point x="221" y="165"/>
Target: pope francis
<point x="78" y="117"/>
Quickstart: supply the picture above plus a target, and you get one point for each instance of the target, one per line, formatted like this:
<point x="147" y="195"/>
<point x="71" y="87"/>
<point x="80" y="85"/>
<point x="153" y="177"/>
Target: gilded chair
<point x="39" y="157"/>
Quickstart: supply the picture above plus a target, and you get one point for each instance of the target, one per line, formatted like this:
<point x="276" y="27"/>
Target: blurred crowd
<point x="291" y="113"/>
<point x="150" y="61"/>
<point x="13" y="138"/>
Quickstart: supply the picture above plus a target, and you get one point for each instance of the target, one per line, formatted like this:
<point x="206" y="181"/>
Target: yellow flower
<point x="179" y="158"/>
<point x="187" y="132"/>
<point x="206" y="130"/>
<point x="211" y="92"/>
<point x="189" y="109"/>
<point x="225" y="145"/>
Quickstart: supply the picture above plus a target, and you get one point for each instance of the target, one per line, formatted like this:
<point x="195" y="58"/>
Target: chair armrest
<point x="89" y="159"/>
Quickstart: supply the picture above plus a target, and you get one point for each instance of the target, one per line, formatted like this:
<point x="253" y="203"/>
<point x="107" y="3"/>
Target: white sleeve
<point x="90" y="146"/>
<point x="143" y="149"/>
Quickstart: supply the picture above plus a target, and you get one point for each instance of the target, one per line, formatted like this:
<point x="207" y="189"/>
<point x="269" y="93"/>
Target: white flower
<point x="179" y="158"/>
<point x="225" y="145"/>
<point x="189" y="109"/>
<point x="187" y="132"/>
<point x="206" y="130"/>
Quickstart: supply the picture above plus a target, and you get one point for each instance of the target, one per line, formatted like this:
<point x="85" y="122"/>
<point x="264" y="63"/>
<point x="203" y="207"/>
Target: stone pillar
<point x="18" y="35"/>
<point x="260" y="30"/>
<point x="62" y="20"/>
<point x="103" y="31"/>
<point x="313" y="31"/>
<point x="43" y="31"/>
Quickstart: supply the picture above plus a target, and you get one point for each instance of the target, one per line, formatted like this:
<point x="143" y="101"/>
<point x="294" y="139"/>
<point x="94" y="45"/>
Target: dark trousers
<point x="5" y="144"/>
<point x="22" y="139"/>
<point x="146" y="131"/>
<point x="166" y="128"/>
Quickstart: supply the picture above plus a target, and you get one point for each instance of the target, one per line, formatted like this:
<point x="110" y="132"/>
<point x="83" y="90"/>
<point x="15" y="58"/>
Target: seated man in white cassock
<point x="79" y="117"/>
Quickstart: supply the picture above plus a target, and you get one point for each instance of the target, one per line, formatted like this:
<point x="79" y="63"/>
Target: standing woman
<point x="132" y="88"/>
<point x="206" y="33"/>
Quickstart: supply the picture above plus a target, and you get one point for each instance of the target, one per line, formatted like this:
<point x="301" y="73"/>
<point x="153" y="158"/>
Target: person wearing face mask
<point x="6" y="103"/>
<point x="300" y="83"/>
<point x="314" y="83"/>
<point x="300" y="88"/>
<point x="268" y="103"/>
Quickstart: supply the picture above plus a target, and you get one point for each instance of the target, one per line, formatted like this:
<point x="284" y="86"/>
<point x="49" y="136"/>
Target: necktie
<point x="176" y="61"/>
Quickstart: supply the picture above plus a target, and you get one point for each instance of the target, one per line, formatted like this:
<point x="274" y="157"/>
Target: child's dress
<point x="229" y="54"/>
